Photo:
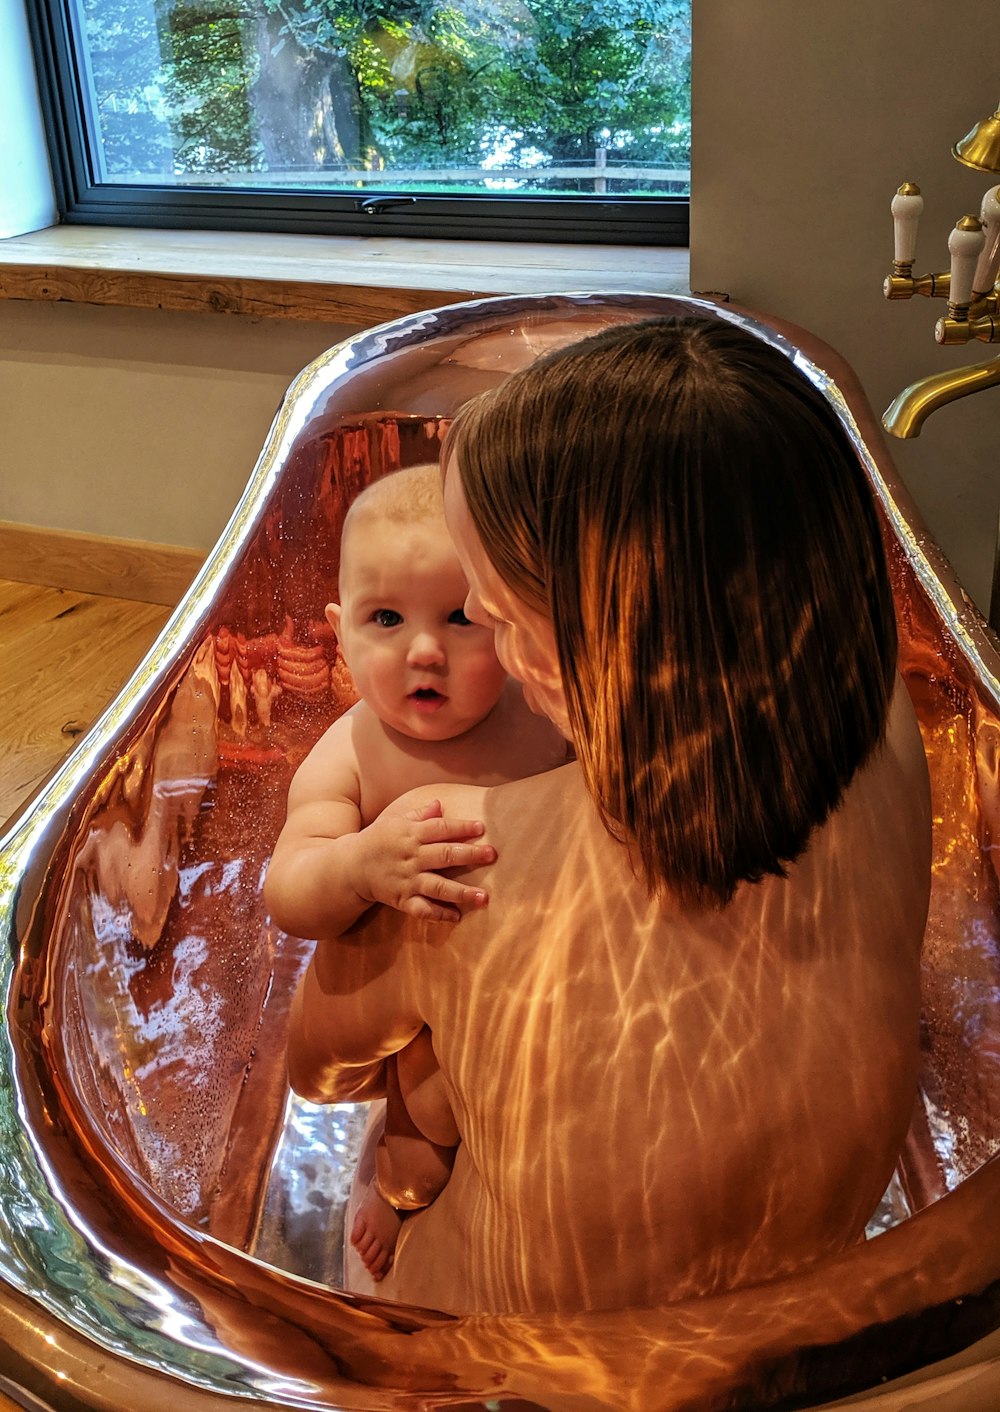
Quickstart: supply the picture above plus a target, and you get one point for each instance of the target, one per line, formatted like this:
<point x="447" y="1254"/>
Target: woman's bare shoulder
<point x="903" y="738"/>
<point x="894" y="786"/>
<point x="561" y="786"/>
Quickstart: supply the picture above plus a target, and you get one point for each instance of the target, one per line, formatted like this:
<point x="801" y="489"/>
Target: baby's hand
<point x="403" y="856"/>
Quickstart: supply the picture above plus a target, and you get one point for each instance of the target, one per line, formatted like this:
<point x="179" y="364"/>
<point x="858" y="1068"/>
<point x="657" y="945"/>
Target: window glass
<point x="487" y="97"/>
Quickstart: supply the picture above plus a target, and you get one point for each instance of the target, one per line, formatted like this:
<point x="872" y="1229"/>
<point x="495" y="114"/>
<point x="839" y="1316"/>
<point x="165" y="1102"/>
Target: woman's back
<point x="657" y="1103"/>
<point x="672" y="537"/>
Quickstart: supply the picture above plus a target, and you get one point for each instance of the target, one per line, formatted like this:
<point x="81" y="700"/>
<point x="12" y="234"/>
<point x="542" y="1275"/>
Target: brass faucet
<point x="971" y="287"/>
<point x="908" y="411"/>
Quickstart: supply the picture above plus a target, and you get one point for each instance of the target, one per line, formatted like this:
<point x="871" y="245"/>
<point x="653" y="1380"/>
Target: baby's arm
<point x="363" y="997"/>
<point x="327" y="869"/>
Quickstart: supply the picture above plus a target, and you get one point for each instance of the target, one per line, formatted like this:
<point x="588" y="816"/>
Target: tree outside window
<point x="522" y="119"/>
<point x="480" y="95"/>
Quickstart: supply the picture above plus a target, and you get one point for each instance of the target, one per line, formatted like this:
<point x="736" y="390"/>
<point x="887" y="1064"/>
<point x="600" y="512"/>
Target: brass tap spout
<point x="907" y="413"/>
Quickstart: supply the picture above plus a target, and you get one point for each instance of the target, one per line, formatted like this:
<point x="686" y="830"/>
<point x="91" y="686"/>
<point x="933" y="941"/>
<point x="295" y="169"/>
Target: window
<point x="493" y="119"/>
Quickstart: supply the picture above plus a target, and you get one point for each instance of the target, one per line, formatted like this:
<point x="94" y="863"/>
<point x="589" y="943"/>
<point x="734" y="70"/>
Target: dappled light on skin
<point x="676" y="1073"/>
<point x="143" y="1089"/>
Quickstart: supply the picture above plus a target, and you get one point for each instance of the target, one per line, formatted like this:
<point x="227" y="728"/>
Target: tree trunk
<point x="305" y="107"/>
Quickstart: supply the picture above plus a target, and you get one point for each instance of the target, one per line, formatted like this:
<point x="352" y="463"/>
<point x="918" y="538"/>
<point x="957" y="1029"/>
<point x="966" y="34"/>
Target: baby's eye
<point x="387" y="617"/>
<point x="458" y="617"/>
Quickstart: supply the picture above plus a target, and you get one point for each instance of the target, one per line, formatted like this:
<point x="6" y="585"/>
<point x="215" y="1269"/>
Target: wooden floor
<point x="63" y="657"/>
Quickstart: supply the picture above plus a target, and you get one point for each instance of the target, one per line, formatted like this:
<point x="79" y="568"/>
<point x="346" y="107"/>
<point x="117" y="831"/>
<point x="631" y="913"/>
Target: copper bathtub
<point x="168" y="1232"/>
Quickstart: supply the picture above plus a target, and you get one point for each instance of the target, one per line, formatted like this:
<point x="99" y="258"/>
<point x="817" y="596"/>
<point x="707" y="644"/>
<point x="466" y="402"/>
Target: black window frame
<point x="83" y="200"/>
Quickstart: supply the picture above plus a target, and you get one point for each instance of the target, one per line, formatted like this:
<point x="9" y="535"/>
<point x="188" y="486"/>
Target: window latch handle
<point x="375" y="205"/>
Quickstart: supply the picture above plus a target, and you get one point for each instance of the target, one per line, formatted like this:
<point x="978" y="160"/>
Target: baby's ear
<point x="333" y="617"/>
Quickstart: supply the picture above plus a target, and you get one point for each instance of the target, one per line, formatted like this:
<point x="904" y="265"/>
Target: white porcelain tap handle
<point x="965" y="243"/>
<point x="989" y="258"/>
<point x="907" y="205"/>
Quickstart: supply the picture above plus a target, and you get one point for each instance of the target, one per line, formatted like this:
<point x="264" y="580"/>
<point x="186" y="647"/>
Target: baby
<point x="436" y="707"/>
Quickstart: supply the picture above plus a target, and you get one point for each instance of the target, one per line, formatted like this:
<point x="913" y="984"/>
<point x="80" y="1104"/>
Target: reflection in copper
<point x="154" y="1174"/>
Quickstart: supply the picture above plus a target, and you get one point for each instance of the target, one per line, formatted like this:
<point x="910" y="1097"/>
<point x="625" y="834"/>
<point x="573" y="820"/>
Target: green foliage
<point x="124" y="60"/>
<point x="217" y="86"/>
<point x="206" y="85"/>
<point x="609" y="78"/>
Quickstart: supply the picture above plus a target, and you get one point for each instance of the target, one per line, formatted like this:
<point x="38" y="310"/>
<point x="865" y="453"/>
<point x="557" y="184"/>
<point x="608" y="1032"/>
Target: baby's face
<point x="417" y="661"/>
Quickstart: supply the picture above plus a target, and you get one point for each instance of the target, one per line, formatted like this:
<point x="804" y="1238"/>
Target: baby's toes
<point x="377" y="1260"/>
<point x="362" y="1237"/>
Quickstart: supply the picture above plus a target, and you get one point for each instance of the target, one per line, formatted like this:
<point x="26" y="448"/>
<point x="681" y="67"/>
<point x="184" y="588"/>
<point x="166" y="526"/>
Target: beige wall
<point x="807" y="116"/>
<point x="136" y="423"/>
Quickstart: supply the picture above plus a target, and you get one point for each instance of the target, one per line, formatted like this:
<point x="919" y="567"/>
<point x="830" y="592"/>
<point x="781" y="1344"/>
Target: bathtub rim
<point x="186" y="625"/>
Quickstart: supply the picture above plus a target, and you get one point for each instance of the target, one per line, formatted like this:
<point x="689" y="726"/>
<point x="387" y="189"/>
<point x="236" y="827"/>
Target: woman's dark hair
<point x="687" y="509"/>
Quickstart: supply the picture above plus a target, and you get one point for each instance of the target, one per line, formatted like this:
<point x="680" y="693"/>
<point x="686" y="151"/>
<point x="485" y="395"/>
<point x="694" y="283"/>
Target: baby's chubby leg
<point x="416" y="1154"/>
<point x="423" y="1091"/>
<point x="410" y="1166"/>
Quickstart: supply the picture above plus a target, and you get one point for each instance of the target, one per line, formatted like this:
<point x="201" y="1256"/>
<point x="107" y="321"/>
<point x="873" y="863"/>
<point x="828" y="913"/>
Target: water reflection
<point x="303" y="1215"/>
<point x="146" y="1138"/>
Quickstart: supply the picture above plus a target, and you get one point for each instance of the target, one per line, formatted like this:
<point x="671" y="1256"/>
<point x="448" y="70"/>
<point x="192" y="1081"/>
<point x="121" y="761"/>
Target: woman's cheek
<point x="520" y="657"/>
<point x="503" y="647"/>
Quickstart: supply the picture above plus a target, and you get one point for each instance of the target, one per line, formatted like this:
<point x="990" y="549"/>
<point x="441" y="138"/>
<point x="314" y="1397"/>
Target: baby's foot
<point x="375" y="1232"/>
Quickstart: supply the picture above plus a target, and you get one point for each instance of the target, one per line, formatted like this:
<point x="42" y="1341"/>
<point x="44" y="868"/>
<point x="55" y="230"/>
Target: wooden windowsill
<point x="341" y="279"/>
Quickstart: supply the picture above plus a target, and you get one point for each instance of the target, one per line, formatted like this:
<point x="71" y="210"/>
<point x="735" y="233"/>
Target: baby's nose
<point x="427" y="650"/>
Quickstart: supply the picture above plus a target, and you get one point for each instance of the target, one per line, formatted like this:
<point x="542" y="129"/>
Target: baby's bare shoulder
<point x="332" y="768"/>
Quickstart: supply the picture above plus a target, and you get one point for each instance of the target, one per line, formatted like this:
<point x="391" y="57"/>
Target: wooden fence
<point x="674" y="180"/>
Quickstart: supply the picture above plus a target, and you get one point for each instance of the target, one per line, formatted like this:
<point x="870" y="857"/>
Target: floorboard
<point x="64" y="657"/>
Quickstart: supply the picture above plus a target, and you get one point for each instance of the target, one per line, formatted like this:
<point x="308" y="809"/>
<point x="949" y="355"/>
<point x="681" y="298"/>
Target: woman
<point x="681" y="1041"/>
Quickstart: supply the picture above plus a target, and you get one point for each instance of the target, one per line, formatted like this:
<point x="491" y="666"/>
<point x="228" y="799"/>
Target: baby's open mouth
<point x="428" y="697"/>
